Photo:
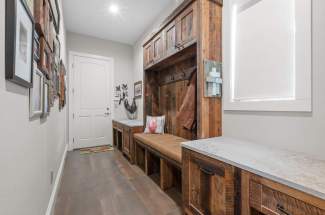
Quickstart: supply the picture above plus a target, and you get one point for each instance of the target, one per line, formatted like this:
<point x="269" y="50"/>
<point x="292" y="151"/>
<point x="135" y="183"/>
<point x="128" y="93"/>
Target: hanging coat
<point x="186" y="114"/>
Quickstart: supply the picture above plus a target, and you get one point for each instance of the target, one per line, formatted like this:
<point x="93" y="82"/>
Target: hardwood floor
<point x="106" y="184"/>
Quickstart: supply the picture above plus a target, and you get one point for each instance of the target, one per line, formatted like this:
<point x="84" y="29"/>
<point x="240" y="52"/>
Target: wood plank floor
<point x="106" y="184"/>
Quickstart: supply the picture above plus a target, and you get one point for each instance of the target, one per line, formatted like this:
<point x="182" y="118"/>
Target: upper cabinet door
<point x="187" y="26"/>
<point x="148" y="55"/>
<point x="158" y="47"/>
<point x="170" y="38"/>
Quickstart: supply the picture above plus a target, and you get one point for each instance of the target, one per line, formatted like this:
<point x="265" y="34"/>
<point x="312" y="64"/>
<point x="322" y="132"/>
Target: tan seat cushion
<point x="167" y="144"/>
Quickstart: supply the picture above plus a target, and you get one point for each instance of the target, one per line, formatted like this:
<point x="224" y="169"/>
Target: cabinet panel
<point x="170" y="38"/>
<point x="158" y="47"/>
<point x="148" y="55"/>
<point x="187" y="26"/>
<point x="126" y="142"/>
<point x="272" y="202"/>
<point x="210" y="187"/>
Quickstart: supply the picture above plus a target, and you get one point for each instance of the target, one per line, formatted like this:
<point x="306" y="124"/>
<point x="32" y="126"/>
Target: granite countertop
<point x="130" y="123"/>
<point x="295" y="170"/>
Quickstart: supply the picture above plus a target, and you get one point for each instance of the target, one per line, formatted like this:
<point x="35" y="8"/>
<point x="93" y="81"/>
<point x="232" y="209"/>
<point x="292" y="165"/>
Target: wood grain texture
<point x="263" y="196"/>
<point x="158" y="47"/>
<point x="123" y="139"/>
<point x="197" y="29"/>
<point x="209" y="186"/>
<point x="301" y="196"/>
<point x="106" y="184"/>
<point x="166" y="175"/>
<point x="186" y="27"/>
<point x="209" y="47"/>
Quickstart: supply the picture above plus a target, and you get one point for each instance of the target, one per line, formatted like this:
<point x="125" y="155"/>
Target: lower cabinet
<point x="212" y="187"/>
<point x="123" y="138"/>
<point x="126" y="142"/>
<point x="209" y="186"/>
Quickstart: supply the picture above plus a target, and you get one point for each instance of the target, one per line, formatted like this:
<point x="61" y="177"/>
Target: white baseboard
<point x="56" y="186"/>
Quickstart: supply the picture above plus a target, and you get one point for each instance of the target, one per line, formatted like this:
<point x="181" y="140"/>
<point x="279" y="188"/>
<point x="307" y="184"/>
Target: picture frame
<point x="46" y="99"/>
<point x="45" y="58"/>
<point x="56" y="15"/>
<point x="138" y="89"/>
<point x="56" y="50"/>
<point x="37" y="51"/>
<point x="62" y="96"/>
<point x="19" y="40"/>
<point x="30" y="4"/>
<point x="36" y="94"/>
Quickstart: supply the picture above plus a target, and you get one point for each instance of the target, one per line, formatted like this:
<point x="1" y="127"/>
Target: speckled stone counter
<point x="295" y="170"/>
<point x="130" y="123"/>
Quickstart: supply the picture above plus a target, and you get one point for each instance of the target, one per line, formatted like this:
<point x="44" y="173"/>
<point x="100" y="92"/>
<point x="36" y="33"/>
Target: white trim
<point x="57" y="183"/>
<point x="72" y="54"/>
<point x="301" y="97"/>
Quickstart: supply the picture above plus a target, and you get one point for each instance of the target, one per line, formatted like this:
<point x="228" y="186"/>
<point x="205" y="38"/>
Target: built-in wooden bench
<point x="160" y="156"/>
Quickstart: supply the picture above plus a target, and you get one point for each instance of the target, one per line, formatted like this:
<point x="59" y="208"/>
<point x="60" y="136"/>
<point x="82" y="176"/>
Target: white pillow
<point x="155" y="125"/>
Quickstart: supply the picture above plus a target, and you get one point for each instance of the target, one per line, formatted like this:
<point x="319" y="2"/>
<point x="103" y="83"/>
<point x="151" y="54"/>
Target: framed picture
<point x="55" y="10"/>
<point x="19" y="43"/>
<point x="57" y="47"/>
<point x="138" y="89"/>
<point x="62" y="93"/>
<point x="37" y="53"/>
<point x="45" y="58"/>
<point x="36" y="94"/>
<point x="46" y="95"/>
<point x="30" y="4"/>
<point x="118" y="91"/>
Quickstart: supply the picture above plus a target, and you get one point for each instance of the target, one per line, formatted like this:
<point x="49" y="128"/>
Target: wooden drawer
<point x="272" y="202"/>
<point x="209" y="186"/>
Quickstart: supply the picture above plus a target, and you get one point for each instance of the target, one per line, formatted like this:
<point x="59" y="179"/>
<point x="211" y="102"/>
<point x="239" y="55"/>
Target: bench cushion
<point x="166" y="144"/>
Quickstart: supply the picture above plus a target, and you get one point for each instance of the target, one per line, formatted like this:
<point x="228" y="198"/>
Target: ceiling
<point x="92" y="17"/>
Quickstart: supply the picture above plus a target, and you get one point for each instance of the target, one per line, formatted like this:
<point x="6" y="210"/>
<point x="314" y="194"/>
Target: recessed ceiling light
<point x="114" y="9"/>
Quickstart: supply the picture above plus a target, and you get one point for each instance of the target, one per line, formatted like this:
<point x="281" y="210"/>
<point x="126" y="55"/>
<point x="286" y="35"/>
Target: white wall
<point x="121" y="53"/>
<point x="138" y="50"/>
<point x="302" y="132"/>
<point x="30" y="150"/>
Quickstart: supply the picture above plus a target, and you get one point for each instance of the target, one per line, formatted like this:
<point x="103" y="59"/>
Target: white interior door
<point x="92" y="101"/>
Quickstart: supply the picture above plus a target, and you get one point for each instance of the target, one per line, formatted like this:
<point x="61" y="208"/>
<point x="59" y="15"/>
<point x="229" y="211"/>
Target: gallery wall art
<point x="19" y="43"/>
<point x="138" y="89"/>
<point x="36" y="94"/>
<point x="32" y="52"/>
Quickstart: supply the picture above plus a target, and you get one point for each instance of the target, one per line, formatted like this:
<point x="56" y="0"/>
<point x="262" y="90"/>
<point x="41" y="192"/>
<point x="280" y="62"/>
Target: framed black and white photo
<point x="55" y="10"/>
<point x="138" y="89"/>
<point x="19" y="43"/>
<point x="36" y="94"/>
<point x="46" y="101"/>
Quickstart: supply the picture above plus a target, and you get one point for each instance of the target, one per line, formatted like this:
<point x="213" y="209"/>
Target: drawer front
<point x="272" y="202"/>
<point x="211" y="186"/>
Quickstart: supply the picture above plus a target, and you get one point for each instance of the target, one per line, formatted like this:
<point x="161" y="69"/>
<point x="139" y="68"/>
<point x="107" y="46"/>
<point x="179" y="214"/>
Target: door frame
<point x="73" y="54"/>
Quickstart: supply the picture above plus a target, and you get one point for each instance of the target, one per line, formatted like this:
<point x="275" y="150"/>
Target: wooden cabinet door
<point x="187" y="26"/>
<point x="170" y="38"/>
<point x="158" y="47"/>
<point x="209" y="186"/>
<point x="148" y="55"/>
<point x="126" y="141"/>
